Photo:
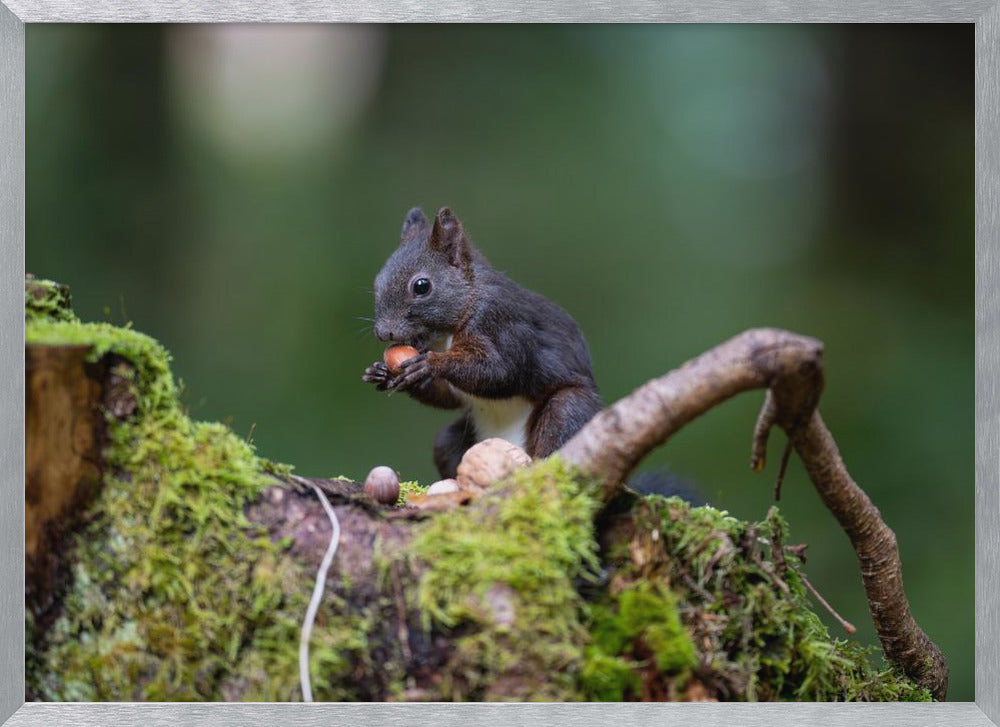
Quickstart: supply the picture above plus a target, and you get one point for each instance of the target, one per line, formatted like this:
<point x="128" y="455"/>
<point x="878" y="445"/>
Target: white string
<point x="317" y="596"/>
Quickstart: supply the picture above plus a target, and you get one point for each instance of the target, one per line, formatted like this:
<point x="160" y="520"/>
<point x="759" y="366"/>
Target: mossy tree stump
<point x="166" y="561"/>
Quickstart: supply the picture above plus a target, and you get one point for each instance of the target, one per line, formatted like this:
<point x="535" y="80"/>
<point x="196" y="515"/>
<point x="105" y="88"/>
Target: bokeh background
<point x="233" y="190"/>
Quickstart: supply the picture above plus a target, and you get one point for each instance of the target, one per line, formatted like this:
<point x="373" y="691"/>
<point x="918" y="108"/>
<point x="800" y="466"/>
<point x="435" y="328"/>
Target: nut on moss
<point x="382" y="484"/>
<point x="490" y="461"/>
<point x="443" y="486"/>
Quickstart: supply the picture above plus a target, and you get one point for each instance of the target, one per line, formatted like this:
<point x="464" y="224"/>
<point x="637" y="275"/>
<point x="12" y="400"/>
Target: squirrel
<point x="514" y="361"/>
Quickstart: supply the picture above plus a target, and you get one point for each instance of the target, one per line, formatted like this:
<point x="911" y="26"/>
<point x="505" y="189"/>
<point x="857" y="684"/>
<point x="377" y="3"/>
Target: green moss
<point x="638" y="625"/>
<point x="605" y="678"/>
<point x="155" y="388"/>
<point x="648" y="612"/>
<point x="47" y="300"/>
<point x="865" y="682"/>
<point x="174" y="590"/>
<point x="746" y="605"/>
<point x="409" y="488"/>
<point x="500" y="578"/>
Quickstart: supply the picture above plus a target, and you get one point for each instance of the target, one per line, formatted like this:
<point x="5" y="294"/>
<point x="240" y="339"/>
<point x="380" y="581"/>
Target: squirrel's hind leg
<point x="451" y="443"/>
<point x="561" y="416"/>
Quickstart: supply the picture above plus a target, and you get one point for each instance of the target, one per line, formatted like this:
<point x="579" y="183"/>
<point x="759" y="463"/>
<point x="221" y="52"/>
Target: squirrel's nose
<point x="383" y="332"/>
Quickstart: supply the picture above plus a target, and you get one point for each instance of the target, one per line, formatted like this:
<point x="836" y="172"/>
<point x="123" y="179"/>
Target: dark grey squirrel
<point x="516" y="362"/>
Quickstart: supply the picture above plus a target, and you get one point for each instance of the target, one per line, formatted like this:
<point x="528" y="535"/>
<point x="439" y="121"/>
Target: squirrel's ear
<point x="415" y="221"/>
<point x="448" y="237"/>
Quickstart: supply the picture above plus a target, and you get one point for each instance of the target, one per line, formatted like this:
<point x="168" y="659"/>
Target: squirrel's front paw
<point x="412" y="373"/>
<point x="378" y="374"/>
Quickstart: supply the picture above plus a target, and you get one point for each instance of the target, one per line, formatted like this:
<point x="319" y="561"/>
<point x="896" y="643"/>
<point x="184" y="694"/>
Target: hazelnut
<point x="442" y="486"/>
<point x="382" y="484"/>
<point x="490" y="460"/>
<point x="394" y="356"/>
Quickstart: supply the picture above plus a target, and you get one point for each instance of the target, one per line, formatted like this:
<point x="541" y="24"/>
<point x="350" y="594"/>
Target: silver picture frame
<point x="985" y="14"/>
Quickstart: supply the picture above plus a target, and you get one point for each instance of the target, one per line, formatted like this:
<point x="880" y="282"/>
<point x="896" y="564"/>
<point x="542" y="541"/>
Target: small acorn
<point x="382" y="484"/>
<point x="394" y="356"/>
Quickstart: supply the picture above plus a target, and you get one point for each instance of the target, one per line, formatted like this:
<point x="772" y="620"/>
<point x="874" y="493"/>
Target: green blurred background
<point x="233" y="191"/>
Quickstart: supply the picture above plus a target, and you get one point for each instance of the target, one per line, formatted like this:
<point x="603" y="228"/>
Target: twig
<point x="785" y="455"/>
<point x="799" y="551"/>
<point x="697" y="588"/>
<point x="766" y="567"/>
<point x="848" y="626"/>
<point x="765" y="420"/>
<point x="317" y="595"/>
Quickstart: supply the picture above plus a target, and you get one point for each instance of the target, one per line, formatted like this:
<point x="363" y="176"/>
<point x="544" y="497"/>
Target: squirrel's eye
<point x="421" y="286"/>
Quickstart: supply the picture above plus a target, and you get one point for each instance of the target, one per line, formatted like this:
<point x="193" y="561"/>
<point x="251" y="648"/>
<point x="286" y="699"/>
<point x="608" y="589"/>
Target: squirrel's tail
<point x="666" y="483"/>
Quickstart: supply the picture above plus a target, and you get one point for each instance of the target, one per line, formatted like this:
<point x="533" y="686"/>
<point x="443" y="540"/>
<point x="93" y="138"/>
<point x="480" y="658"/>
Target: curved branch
<point x="903" y="642"/>
<point x="791" y="368"/>
<point x="616" y="440"/>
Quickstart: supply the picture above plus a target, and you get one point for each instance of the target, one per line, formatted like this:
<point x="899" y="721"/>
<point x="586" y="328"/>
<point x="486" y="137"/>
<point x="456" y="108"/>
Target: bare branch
<point x="615" y="441"/>
<point x="791" y="368"/>
<point x="903" y="641"/>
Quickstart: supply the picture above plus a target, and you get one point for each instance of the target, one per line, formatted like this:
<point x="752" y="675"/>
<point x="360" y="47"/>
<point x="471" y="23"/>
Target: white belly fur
<point x="503" y="418"/>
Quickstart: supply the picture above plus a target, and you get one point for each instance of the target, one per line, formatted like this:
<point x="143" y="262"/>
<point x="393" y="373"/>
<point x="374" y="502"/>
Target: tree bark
<point x="64" y="433"/>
